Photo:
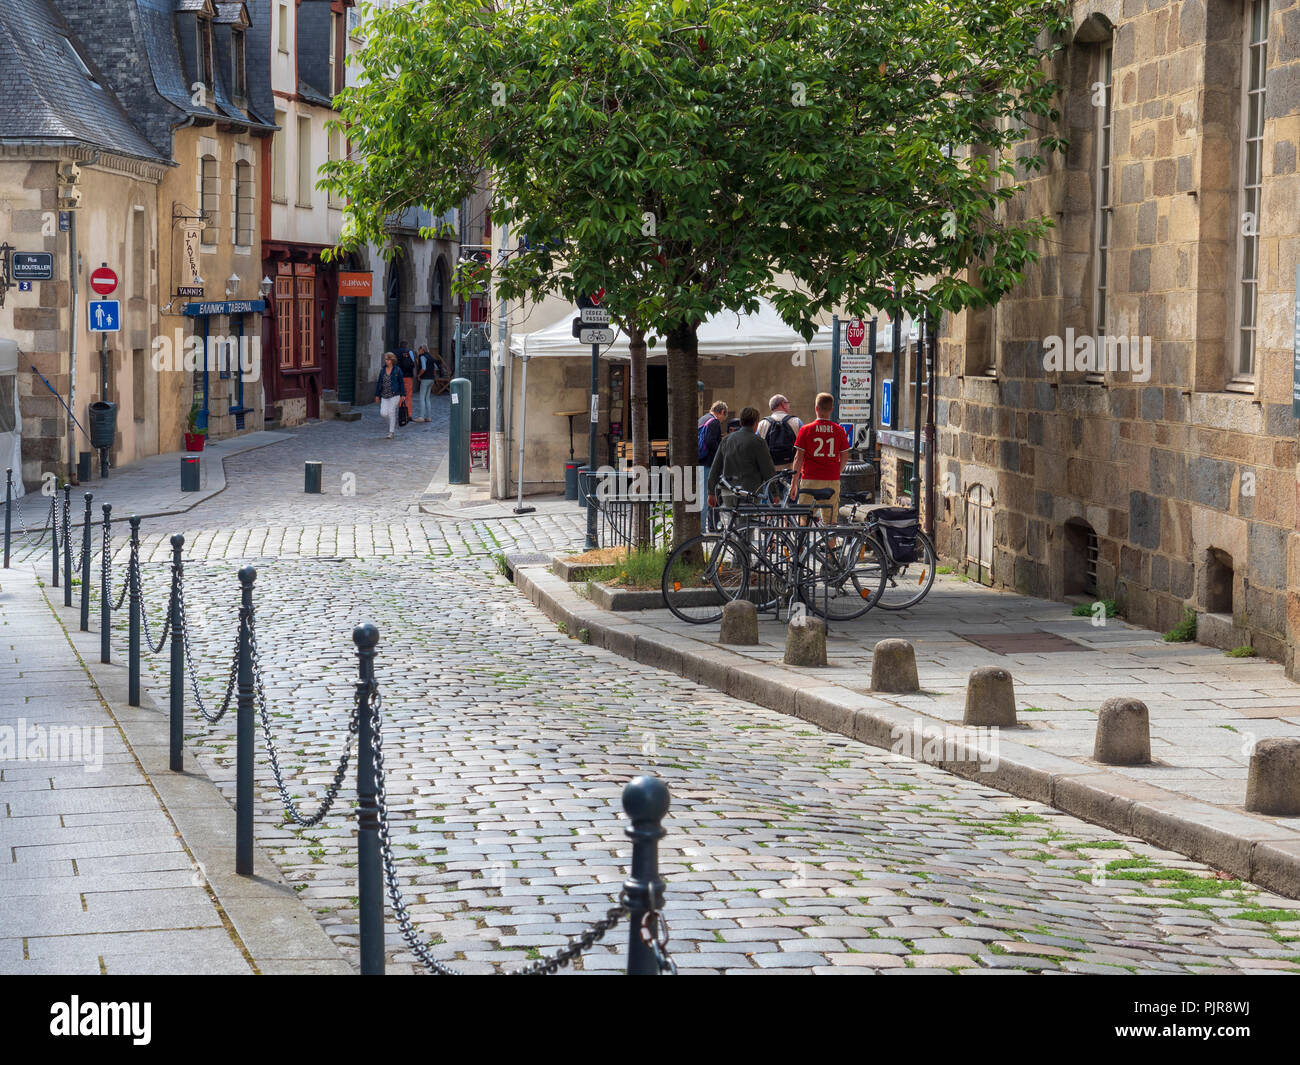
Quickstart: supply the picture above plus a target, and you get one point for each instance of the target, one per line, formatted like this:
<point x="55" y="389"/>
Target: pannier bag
<point x="900" y="525"/>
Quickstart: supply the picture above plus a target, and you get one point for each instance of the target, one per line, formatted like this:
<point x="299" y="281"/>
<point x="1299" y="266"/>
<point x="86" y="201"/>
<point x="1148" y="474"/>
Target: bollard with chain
<point x="133" y="624"/>
<point x="177" y="680"/>
<point x="9" y="506"/>
<point x="645" y="800"/>
<point x="67" y="545"/>
<point x="54" y="535"/>
<point x="370" y="883"/>
<point x="105" y="592"/>
<point x="244" y="732"/>
<point x="85" y="568"/>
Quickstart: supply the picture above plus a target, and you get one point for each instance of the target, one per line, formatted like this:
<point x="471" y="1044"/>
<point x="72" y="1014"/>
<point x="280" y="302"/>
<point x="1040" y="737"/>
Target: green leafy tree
<point x="690" y="156"/>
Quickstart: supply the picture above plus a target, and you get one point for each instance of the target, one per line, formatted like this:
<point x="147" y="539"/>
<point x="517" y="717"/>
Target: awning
<point x="727" y="333"/>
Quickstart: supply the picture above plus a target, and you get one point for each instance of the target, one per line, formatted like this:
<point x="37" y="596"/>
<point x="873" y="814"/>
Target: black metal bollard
<point x="67" y="545"/>
<point x="133" y="623"/>
<point x="244" y="731"/>
<point x="105" y="587"/>
<point x="645" y="801"/>
<point x="9" y="506"/>
<point x="177" y="679"/>
<point x="370" y="880"/>
<point x="85" y="568"/>
<point x="54" y="534"/>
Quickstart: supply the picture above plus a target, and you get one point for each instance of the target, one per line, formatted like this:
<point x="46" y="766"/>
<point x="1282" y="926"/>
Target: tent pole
<point x="523" y="415"/>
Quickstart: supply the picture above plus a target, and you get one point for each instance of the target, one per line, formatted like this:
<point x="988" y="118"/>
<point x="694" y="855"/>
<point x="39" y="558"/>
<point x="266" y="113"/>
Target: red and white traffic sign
<point x="103" y="281"/>
<point x="856" y="332"/>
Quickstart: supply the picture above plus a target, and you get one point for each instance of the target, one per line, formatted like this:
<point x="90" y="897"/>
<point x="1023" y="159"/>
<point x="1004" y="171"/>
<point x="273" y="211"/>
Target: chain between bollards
<point x="177" y="679"/>
<point x="67" y="545"/>
<point x="645" y="800"/>
<point x="244" y="750"/>
<point x="85" y="568"/>
<point x="9" y="506"/>
<point x="133" y="624"/>
<point x="370" y="881"/>
<point x="105" y="597"/>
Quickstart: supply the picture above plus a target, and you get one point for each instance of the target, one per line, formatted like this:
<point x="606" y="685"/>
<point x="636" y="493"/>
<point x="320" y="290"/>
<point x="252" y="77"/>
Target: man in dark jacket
<point x="709" y="433"/>
<point x="743" y="459"/>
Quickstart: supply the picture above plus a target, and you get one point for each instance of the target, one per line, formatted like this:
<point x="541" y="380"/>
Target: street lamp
<point x="265" y="287"/>
<point x="232" y="285"/>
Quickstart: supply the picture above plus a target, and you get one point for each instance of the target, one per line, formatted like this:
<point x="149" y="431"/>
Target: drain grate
<point x="1034" y="642"/>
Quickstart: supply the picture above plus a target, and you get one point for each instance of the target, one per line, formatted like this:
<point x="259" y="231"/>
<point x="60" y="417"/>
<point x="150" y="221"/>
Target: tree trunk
<point x="683" y="418"/>
<point x="640" y="428"/>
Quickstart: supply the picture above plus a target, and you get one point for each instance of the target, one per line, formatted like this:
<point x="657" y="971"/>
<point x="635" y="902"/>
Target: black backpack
<point x="780" y="440"/>
<point x="406" y="364"/>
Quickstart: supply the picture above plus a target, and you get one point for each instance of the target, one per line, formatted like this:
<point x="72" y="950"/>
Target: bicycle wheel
<point x="842" y="580"/>
<point x="703" y="575"/>
<point x="910" y="582"/>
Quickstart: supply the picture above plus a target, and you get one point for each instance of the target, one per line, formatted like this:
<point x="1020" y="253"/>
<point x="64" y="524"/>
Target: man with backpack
<point x="406" y="363"/>
<point x="708" y="438"/>
<point x="779" y="430"/>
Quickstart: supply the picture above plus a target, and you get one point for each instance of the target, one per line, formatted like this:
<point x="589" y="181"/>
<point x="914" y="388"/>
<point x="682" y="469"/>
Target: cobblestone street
<point x="507" y="743"/>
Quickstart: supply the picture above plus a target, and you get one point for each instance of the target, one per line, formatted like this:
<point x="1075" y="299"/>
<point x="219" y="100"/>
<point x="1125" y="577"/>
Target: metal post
<point x="244" y="731"/>
<point x="458" y="427"/>
<point x="873" y="451"/>
<point x="67" y="545"/>
<point x="895" y="398"/>
<point x="177" y="680"/>
<point x="105" y="590"/>
<point x="591" y="447"/>
<point x="645" y="801"/>
<point x="103" y="385"/>
<point x="133" y="624"/>
<point x="54" y="534"/>
<point x="370" y="881"/>
<point x="9" y="506"/>
<point x="85" y="567"/>
<point x="931" y="457"/>
<point x="835" y="367"/>
<point x="916" y="417"/>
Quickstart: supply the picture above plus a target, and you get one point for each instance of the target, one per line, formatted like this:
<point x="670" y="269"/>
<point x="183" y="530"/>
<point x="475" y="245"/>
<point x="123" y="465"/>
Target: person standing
<point x="743" y="459"/>
<point x="779" y="430"/>
<point x="821" y="447"/>
<point x="406" y="363"/>
<point x="389" y="390"/>
<point x="424" y="370"/>
<point x="708" y="437"/>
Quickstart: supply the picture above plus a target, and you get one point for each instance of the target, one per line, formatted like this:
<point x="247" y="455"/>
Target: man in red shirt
<point x="820" y="448"/>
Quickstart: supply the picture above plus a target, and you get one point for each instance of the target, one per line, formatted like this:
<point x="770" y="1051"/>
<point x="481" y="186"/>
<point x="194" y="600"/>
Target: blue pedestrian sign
<point x="886" y="403"/>
<point x="105" y="315"/>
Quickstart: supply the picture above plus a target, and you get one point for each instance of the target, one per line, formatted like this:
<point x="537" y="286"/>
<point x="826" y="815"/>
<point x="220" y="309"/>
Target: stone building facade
<point x="1163" y="475"/>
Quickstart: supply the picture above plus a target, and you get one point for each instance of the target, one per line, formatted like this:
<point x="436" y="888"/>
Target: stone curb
<point x="277" y="930"/>
<point x="1249" y="848"/>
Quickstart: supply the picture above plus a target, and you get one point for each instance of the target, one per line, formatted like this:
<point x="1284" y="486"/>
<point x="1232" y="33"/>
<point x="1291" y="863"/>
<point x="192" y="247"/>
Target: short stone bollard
<point x="893" y="667"/>
<point x="805" y="641"/>
<point x="1123" y="733"/>
<point x="739" y="622"/>
<point x="990" y="698"/>
<point x="1273" y="784"/>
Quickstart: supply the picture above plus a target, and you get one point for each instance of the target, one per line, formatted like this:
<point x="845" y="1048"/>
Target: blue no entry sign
<point x="105" y="315"/>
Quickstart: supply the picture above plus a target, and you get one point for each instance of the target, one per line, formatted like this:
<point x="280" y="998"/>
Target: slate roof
<point x="48" y="96"/>
<point x="150" y="62"/>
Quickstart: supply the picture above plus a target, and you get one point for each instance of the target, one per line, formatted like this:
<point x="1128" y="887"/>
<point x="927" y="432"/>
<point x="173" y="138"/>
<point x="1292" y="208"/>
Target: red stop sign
<point x="856" y="332"/>
<point x="103" y="281"/>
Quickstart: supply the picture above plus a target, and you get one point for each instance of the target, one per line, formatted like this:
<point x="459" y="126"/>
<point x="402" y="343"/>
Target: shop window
<point x="284" y="320"/>
<point x="306" y="320"/>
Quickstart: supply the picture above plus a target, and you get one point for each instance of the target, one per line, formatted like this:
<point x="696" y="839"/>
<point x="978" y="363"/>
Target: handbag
<point x="403" y="413"/>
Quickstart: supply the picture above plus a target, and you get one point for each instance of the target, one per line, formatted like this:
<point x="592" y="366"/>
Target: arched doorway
<point x="393" y="308"/>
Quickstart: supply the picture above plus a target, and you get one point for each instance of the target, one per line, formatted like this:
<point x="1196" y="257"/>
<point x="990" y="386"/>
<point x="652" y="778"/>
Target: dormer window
<point x="203" y="52"/>
<point x="239" y="74"/>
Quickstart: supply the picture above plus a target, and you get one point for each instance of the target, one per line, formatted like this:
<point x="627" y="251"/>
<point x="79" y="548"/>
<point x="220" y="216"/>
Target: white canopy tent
<point x="727" y="333"/>
<point x="11" y="423"/>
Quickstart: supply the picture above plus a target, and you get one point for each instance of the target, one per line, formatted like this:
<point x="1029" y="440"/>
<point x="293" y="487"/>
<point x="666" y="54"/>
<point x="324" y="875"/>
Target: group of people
<point x="395" y="386"/>
<point x="748" y="452"/>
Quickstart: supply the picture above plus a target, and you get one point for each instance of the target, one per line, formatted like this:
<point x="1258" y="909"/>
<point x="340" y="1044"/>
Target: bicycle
<point x="910" y="557"/>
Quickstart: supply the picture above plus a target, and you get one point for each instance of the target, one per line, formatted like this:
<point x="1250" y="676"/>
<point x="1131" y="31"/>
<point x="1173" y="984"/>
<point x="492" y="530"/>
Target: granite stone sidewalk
<point x="1207" y="710"/>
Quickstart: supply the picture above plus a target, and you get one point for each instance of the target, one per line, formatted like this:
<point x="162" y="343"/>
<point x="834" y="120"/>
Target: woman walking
<point x="389" y="391"/>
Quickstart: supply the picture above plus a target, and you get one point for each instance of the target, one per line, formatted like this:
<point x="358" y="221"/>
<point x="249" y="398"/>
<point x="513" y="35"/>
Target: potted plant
<point x="194" y="436"/>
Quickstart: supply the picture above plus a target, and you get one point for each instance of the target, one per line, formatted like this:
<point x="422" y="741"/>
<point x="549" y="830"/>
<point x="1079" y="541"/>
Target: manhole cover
<point x="1035" y="642"/>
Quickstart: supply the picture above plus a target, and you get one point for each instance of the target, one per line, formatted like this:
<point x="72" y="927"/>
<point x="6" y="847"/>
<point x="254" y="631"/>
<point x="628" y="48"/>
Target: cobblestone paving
<point x="508" y="743"/>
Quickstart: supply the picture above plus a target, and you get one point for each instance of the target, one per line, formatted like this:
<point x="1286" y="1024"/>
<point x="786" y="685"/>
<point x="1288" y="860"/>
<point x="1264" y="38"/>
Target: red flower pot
<point x="194" y="441"/>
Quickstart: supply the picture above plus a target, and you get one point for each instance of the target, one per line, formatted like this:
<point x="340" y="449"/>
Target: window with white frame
<point x="209" y="198"/>
<point x="279" y="191"/>
<point x="282" y="27"/>
<point x="334" y="141"/>
<point x="1251" y="182"/>
<point x="244" y="204"/>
